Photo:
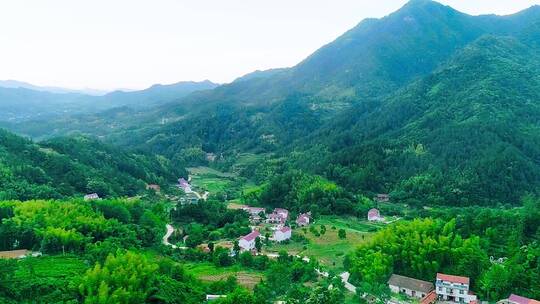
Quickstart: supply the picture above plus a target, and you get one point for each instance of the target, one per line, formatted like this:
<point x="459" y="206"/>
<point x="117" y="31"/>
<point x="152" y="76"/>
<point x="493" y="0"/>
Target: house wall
<point x="445" y="290"/>
<point x="280" y="236"/>
<point x="408" y="292"/>
<point x="245" y="245"/>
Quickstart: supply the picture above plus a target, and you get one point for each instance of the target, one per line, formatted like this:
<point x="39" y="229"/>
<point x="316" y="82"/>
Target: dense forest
<point x="66" y="167"/>
<point x="444" y="110"/>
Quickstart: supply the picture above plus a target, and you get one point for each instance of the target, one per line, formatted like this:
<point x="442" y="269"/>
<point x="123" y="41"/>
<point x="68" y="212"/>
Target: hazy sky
<point x="108" y="44"/>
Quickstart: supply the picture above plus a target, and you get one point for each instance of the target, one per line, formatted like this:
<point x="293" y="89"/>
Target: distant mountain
<point x="156" y="94"/>
<point x="23" y="102"/>
<point x="14" y="84"/>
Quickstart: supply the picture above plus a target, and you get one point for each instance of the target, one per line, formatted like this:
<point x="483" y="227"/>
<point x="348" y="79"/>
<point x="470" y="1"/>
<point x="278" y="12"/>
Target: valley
<point x="399" y="163"/>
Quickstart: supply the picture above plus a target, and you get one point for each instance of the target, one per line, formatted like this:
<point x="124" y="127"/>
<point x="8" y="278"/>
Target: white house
<point x="303" y="219"/>
<point x="247" y="242"/>
<point x="282" y="234"/>
<point x="453" y="288"/>
<point x="278" y="216"/>
<point x="374" y="215"/>
<point x="92" y="196"/>
<point x="411" y="287"/>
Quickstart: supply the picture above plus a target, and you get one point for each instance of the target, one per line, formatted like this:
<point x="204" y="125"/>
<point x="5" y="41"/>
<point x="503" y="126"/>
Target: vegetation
<point x="68" y="167"/>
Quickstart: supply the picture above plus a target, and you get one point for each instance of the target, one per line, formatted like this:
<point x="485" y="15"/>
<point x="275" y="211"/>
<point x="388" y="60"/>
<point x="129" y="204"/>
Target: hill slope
<point x="74" y="166"/>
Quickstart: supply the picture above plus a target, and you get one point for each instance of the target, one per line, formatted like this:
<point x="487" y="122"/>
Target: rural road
<point x="170" y="231"/>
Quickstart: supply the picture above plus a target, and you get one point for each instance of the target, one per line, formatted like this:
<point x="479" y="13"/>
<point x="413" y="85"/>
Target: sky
<point x="132" y="44"/>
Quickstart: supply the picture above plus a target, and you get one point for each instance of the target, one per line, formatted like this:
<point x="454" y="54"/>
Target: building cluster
<point x="277" y="218"/>
<point x="447" y="288"/>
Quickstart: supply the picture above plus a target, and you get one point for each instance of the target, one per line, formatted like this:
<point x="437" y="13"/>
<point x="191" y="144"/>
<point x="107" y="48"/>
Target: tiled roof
<point x="251" y="236"/>
<point x="521" y="300"/>
<point x="285" y="229"/>
<point x="452" y="278"/>
<point x="431" y="297"/>
<point x="410" y="283"/>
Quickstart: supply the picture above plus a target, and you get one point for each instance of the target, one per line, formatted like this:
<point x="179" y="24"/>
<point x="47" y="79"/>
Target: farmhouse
<point x="374" y="215"/>
<point x="254" y="210"/>
<point x="382" y="198"/>
<point x="411" y="287"/>
<point x="154" y="187"/>
<point x="282" y="234"/>
<point x="247" y="242"/>
<point x="184" y="185"/>
<point x="453" y="288"/>
<point x="278" y="216"/>
<point x="303" y="219"/>
<point x="189" y="199"/>
<point x="515" y="299"/>
<point x="91" y="196"/>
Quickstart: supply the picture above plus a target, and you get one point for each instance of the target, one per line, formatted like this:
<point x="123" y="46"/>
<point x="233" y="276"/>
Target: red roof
<point x="521" y="300"/>
<point x="251" y="236"/>
<point x="285" y="229"/>
<point x="303" y="218"/>
<point x="429" y="298"/>
<point x="373" y="212"/>
<point x="452" y="278"/>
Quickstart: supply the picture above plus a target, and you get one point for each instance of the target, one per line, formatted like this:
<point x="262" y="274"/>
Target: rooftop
<point x="251" y="236"/>
<point x="410" y="283"/>
<point x="452" y="278"/>
<point x="521" y="300"/>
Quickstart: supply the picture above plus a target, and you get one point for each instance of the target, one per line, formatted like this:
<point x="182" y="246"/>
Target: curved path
<point x="170" y="231"/>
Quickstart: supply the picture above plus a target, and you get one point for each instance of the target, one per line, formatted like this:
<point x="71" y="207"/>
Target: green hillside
<point x="65" y="167"/>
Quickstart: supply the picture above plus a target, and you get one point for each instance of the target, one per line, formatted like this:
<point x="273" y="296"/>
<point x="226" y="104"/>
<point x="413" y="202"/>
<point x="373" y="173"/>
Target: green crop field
<point x="210" y="273"/>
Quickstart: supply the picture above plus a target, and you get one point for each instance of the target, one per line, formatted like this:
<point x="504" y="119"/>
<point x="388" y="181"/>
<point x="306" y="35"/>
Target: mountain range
<point x="427" y="103"/>
<point x="22" y="101"/>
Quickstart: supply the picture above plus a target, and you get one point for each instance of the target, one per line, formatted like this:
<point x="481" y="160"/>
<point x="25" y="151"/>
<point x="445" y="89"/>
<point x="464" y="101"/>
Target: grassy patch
<point x="210" y="273"/>
<point x="328" y="248"/>
<point x="50" y="267"/>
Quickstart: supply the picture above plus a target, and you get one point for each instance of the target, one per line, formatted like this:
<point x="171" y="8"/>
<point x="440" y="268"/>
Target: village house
<point x="154" y="187"/>
<point x="282" y="234"/>
<point x="254" y="214"/>
<point x="189" y="199"/>
<point x="278" y="216"/>
<point x="184" y="185"/>
<point x="411" y="287"/>
<point x="515" y="299"/>
<point x="254" y="210"/>
<point x="374" y="215"/>
<point x="247" y="242"/>
<point x="91" y="196"/>
<point x="303" y="219"/>
<point x="382" y="198"/>
<point x="430" y="298"/>
<point x="453" y="288"/>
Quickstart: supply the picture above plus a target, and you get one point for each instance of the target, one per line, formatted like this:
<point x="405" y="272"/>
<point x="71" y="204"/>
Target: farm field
<point x="209" y="273"/>
<point x="211" y="180"/>
<point x="328" y="248"/>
